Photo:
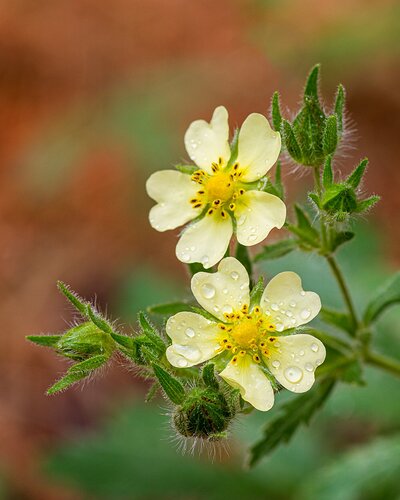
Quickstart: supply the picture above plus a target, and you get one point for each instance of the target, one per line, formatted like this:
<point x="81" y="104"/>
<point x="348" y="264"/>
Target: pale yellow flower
<point x="225" y="194"/>
<point x="251" y="341"/>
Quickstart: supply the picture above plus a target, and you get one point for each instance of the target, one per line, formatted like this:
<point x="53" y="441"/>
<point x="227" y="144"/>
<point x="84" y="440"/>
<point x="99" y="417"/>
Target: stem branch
<point x="388" y="364"/>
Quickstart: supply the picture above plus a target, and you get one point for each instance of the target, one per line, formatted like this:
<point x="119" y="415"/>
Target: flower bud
<point x="84" y="341"/>
<point x="204" y="414"/>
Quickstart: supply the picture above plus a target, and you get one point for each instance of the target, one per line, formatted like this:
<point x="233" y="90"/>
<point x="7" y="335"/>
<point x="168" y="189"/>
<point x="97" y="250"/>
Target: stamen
<point x="232" y="206"/>
<point x="256" y="358"/>
<point x="210" y="212"/>
<point x="234" y="360"/>
<point x="223" y="214"/>
<point x="242" y="353"/>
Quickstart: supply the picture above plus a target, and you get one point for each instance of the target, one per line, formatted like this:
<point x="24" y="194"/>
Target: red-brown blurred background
<point x="94" y="96"/>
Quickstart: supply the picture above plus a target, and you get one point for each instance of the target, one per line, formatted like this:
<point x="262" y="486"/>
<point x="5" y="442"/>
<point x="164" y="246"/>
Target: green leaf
<point x="336" y="318"/>
<point x="276" y="250"/>
<point x="208" y="375"/>
<point x="44" y="340"/>
<point x="150" y="332"/>
<point x="367" y="203"/>
<point x="303" y="221"/>
<point x="290" y="141"/>
<point x="172" y="387"/>
<point x="311" y="88"/>
<point x="339" y="106"/>
<point x="327" y="176"/>
<point x="169" y="309"/>
<point x="304" y="229"/>
<point x="330" y="137"/>
<point x="340" y="238"/>
<point x="386" y="296"/>
<point x="242" y="255"/>
<point x="355" y="177"/>
<point x="256" y="292"/>
<point x="99" y="321"/>
<point x="353" y="374"/>
<point x="276" y="112"/>
<point x="187" y="169"/>
<point x="73" y="297"/>
<point x="315" y="199"/>
<point x="296" y="412"/>
<point x="278" y="181"/>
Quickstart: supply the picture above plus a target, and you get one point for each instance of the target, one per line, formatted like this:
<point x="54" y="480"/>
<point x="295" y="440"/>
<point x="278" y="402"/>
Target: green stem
<point x="318" y="187"/>
<point x="388" y="364"/>
<point x="343" y="288"/>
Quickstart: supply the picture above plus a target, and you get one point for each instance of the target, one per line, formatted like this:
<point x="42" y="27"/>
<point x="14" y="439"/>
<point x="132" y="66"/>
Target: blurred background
<point x="95" y="96"/>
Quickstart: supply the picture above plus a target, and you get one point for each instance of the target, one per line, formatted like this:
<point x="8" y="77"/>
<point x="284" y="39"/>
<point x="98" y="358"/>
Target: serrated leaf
<point x="330" y="137"/>
<point x="386" y="296"/>
<point x="337" y="318"/>
<point x="276" y="250"/>
<point x="73" y="297"/>
<point x="208" y="374"/>
<point x="339" y="106"/>
<point x="172" y="387"/>
<point x="311" y="88"/>
<point x="276" y="112"/>
<point x="242" y="255"/>
<point x="355" y="177"/>
<point x="296" y="412"/>
<point x="150" y="332"/>
<point x="340" y="238"/>
<point x="256" y="292"/>
<point x="291" y="143"/>
<point x="187" y="169"/>
<point x="169" y="309"/>
<point x="44" y="340"/>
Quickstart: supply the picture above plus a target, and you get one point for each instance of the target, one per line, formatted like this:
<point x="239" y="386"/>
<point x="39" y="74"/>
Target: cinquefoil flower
<point x="250" y="341"/>
<point x="223" y="195"/>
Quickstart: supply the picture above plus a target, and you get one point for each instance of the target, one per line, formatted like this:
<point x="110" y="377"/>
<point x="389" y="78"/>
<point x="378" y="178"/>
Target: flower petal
<point x="225" y="291"/>
<point x="205" y="241"/>
<point x="173" y="191"/>
<point x="256" y="214"/>
<point x="195" y="339"/>
<point x="287" y="303"/>
<point x="258" y="148"/>
<point x="207" y="142"/>
<point x="254" y="386"/>
<point x="294" y="359"/>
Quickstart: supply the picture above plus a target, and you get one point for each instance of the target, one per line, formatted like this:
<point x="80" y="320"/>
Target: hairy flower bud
<point x="84" y="341"/>
<point x="205" y="414"/>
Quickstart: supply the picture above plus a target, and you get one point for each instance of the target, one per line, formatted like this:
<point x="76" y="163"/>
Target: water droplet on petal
<point x="208" y="291"/>
<point x="302" y="293"/>
<point x="309" y="367"/>
<point x="301" y="353"/>
<point x="185" y="257"/>
<point x="234" y="275"/>
<point x="274" y="307"/>
<point x="191" y="353"/>
<point x="252" y="237"/>
<point x="227" y="309"/>
<point x="225" y="291"/>
<point x="293" y="374"/>
<point x="241" y="220"/>
<point x="204" y="260"/>
<point x="305" y="314"/>
<point x="293" y="321"/>
<point x="292" y="303"/>
<point x="314" y="347"/>
<point x="276" y="364"/>
<point x="182" y="363"/>
<point x="279" y="327"/>
<point x="216" y="309"/>
<point x="190" y="332"/>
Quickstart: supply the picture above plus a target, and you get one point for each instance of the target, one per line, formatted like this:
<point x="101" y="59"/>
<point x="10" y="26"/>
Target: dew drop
<point x="225" y="291"/>
<point x="314" y="347"/>
<point x="293" y="321"/>
<point x="305" y="314"/>
<point x="293" y="374"/>
<point x="190" y="332"/>
<point x="289" y="314"/>
<point x="182" y="363"/>
<point x="241" y="220"/>
<point x="234" y="275"/>
<point x="252" y="237"/>
<point x="216" y="309"/>
<point x="204" y="260"/>
<point x="208" y="291"/>
<point x="279" y="327"/>
<point x="292" y="303"/>
<point x="192" y="249"/>
<point x="185" y="257"/>
<point x="227" y="309"/>
<point x="274" y="307"/>
<point x="276" y="364"/>
<point x="191" y="353"/>
<point x="309" y="367"/>
<point x="301" y="353"/>
<point x="302" y="293"/>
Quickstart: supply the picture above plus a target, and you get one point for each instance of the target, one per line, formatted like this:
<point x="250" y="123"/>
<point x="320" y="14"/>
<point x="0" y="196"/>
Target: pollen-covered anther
<point x="216" y="203"/>
<point x="254" y="347"/>
<point x="257" y="310"/>
<point x="256" y="358"/>
<point x="223" y="214"/>
<point x="234" y="360"/>
<point x="221" y="326"/>
<point x="242" y="353"/>
<point x="215" y="167"/>
<point x="245" y="308"/>
<point x="210" y="211"/>
<point x="271" y="327"/>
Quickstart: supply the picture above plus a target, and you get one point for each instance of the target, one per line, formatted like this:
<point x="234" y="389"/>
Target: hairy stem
<point x="343" y="288"/>
<point x="318" y="187"/>
<point x="388" y="364"/>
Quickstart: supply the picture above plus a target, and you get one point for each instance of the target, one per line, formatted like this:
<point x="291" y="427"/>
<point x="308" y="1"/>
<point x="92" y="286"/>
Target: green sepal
<point x="234" y="149"/>
<point x="315" y="199"/>
<point x="340" y="238"/>
<point x="339" y="106"/>
<point x="44" y="340"/>
<point x="187" y="169"/>
<point x="312" y="83"/>
<point x="172" y="387"/>
<point x="73" y="297"/>
<point x="204" y="313"/>
<point x="242" y="255"/>
<point x="330" y="137"/>
<point x="78" y="372"/>
<point x="386" y="296"/>
<point x="327" y="176"/>
<point x="296" y="412"/>
<point x="278" y="181"/>
<point x="353" y="374"/>
<point x="152" y="392"/>
<point x="150" y="332"/>
<point x="208" y="374"/>
<point x="256" y="292"/>
<point x="169" y="309"/>
<point x="337" y="318"/>
<point x="99" y="321"/>
<point x="356" y="176"/>
<point x="123" y="340"/>
<point x="367" y="203"/>
<point x="276" y="250"/>
<point x="339" y="199"/>
<point x="276" y="112"/>
<point x="291" y="143"/>
<point x="304" y="229"/>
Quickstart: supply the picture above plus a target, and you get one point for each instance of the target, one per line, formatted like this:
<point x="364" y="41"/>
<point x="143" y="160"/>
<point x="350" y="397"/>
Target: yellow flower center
<point x="248" y="333"/>
<point x="220" y="187"/>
